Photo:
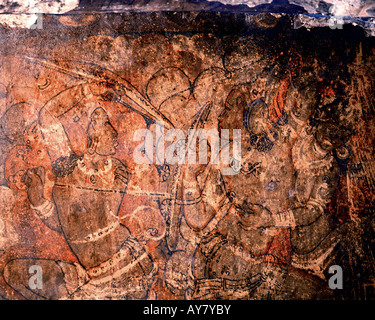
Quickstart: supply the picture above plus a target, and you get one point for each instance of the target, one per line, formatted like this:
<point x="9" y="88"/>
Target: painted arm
<point x="200" y="202"/>
<point x="312" y="194"/>
<point x="45" y="209"/>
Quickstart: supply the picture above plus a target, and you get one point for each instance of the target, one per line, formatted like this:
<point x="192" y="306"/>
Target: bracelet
<point x="285" y="219"/>
<point x="188" y="202"/>
<point x="45" y="210"/>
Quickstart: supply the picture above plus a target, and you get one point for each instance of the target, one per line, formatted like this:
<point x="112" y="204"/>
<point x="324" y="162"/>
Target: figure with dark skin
<point x="276" y="201"/>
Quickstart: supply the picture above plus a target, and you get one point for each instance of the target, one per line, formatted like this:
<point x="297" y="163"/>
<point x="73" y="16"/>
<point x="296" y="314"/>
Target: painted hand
<point x="253" y="216"/>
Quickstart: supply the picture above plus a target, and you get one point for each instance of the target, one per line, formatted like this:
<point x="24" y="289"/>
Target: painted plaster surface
<point x="101" y="108"/>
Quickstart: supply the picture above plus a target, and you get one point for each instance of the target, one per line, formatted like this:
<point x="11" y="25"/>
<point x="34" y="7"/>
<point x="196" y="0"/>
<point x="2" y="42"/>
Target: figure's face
<point x="258" y="120"/>
<point x="331" y="129"/>
<point x="232" y="115"/>
<point x="103" y="133"/>
<point x="300" y="103"/>
<point x="32" y="136"/>
<point x="107" y="140"/>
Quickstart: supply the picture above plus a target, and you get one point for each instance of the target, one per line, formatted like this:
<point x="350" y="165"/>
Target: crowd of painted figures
<point x="101" y="226"/>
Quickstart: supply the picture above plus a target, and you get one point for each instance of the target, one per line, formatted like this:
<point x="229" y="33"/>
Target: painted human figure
<point x="251" y="246"/>
<point x="87" y="195"/>
<point x="213" y="202"/>
<point x="247" y="244"/>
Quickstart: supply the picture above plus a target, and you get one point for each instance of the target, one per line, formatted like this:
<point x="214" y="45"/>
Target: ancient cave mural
<point x="75" y="96"/>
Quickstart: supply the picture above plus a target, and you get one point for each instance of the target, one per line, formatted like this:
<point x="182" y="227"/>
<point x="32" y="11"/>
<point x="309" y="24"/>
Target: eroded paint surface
<point x="75" y="201"/>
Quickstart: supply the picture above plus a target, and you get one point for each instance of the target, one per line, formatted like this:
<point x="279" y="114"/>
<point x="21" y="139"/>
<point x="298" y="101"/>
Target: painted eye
<point x="343" y="152"/>
<point x="297" y="113"/>
<point x="255" y="91"/>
